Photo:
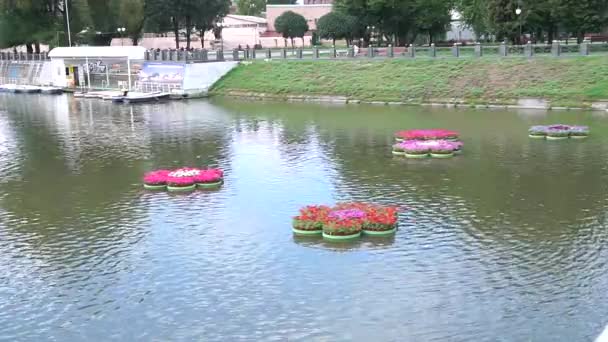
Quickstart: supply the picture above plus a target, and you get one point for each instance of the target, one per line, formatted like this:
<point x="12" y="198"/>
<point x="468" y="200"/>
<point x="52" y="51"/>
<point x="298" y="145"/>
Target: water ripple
<point x="505" y="242"/>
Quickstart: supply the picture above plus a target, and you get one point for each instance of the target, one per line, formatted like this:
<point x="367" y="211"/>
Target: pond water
<point x="503" y="243"/>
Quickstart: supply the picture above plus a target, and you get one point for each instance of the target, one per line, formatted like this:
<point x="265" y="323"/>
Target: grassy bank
<point x="563" y="81"/>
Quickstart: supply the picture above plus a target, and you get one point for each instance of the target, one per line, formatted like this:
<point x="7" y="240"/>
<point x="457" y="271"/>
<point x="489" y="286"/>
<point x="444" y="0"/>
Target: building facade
<point x="311" y="13"/>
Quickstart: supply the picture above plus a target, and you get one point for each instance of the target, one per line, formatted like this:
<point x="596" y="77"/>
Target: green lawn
<point x="489" y="80"/>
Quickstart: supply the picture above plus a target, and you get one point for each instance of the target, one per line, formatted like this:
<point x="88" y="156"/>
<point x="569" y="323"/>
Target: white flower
<point x="184" y="173"/>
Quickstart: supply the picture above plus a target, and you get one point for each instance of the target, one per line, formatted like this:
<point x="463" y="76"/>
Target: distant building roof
<point x="250" y="18"/>
<point x="131" y="52"/>
<point x="300" y="6"/>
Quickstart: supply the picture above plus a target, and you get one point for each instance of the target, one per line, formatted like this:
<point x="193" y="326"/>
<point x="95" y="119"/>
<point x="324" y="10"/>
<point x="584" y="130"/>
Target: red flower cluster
<point x="376" y="218"/>
<point x="311" y="217"/>
<point x="426" y="134"/>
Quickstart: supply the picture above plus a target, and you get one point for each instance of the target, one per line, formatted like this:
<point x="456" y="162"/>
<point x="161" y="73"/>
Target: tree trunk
<point x="135" y="40"/>
<point x="176" y="32"/>
<point x="414" y="38"/>
<point x="188" y="31"/>
<point x="580" y="37"/>
<point x="550" y="34"/>
<point x="202" y="34"/>
<point x="29" y="48"/>
<point x="291" y="42"/>
<point x="37" y="47"/>
<point x="430" y="38"/>
<point x="366" y="40"/>
<point x="303" y="43"/>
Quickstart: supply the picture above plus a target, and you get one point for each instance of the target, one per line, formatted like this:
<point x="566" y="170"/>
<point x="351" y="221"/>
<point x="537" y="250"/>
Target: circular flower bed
<point x="398" y="150"/>
<point x="346" y="221"/>
<point x="183" y="179"/>
<point x="379" y="220"/>
<point x="537" y="132"/>
<point x="156" y="180"/>
<point x="343" y="224"/>
<point x="558" y="132"/>
<point x="579" y="132"/>
<point x="426" y="134"/>
<point x="310" y="220"/>
<point x="209" y="178"/>
<point x="433" y="148"/>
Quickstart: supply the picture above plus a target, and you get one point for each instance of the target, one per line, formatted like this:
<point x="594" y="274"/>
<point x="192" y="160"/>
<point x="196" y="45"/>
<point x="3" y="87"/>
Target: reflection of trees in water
<point x="80" y="163"/>
<point x="502" y="173"/>
<point x="62" y="192"/>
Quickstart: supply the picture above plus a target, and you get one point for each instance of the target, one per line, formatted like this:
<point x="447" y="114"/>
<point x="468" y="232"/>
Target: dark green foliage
<point x="542" y="19"/>
<point x="336" y="25"/>
<point x="281" y="2"/>
<point x="251" y="7"/>
<point x="291" y="25"/>
<point x="403" y="20"/>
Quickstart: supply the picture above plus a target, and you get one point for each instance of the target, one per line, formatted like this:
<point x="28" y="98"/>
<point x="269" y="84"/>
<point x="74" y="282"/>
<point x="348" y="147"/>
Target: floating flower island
<point x="423" y="143"/>
<point x="558" y="132"/>
<point x="345" y="221"/>
<point x="184" y="179"/>
<point x="426" y="134"/>
<point x="427" y="148"/>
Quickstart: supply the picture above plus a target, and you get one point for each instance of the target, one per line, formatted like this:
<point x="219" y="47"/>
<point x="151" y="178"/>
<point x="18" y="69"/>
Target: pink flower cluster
<point x="209" y="176"/>
<point x="183" y="177"/>
<point x="158" y="177"/>
<point x="422" y="147"/>
<point x="426" y="134"/>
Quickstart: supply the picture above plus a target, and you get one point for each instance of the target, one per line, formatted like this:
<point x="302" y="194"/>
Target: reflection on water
<point x="502" y="243"/>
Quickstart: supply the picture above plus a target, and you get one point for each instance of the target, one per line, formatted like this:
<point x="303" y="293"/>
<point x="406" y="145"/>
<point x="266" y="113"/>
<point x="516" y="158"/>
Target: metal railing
<point x="22" y="56"/>
<point x="556" y="49"/>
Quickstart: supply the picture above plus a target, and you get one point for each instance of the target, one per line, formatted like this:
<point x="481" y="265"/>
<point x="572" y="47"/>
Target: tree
<point x="336" y="25"/>
<point x="281" y="2"/>
<point x="433" y="17"/>
<point x="250" y="7"/>
<point x="291" y="25"/>
<point x="584" y="16"/>
<point x="208" y="18"/>
<point x="174" y="15"/>
<point x="131" y="17"/>
<point x="474" y="14"/>
<point x="365" y="12"/>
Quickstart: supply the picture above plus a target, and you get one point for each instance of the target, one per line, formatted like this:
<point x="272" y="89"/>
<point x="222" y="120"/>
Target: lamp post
<point x="67" y="17"/>
<point x="121" y="31"/>
<point x="371" y="29"/>
<point x="221" y="26"/>
<point x="518" y="13"/>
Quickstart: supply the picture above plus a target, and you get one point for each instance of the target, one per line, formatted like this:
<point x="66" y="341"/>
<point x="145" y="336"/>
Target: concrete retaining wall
<point x="199" y="77"/>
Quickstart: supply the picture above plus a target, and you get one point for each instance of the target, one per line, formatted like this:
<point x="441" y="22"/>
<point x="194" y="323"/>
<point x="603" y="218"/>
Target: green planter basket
<point x="416" y="156"/>
<point x="579" y="136"/>
<point x="457" y="152"/>
<point x="556" y="138"/>
<point x="398" y="153"/>
<point x="442" y="155"/>
<point x="341" y="237"/>
<point x="307" y="232"/>
<point x="537" y="136"/>
<point x="379" y="232"/>
<point x="181" y="188"/>
<point x="209" y="185"/>
<point x="155" y="187"/>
